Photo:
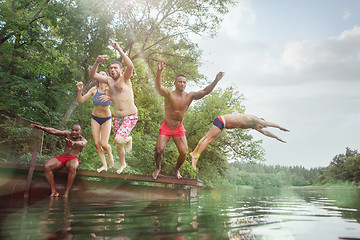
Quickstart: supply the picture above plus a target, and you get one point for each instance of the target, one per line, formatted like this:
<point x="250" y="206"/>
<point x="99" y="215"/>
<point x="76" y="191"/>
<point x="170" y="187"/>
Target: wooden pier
<point x="114" y="175"/>
<point x="15" y="181"/>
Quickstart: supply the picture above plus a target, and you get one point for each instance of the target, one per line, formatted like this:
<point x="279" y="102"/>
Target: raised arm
<point x="93" y="72"/>
<point x="52" y="131"/>
<point x="80" y="98"/>
<point x="208" y="89"/>
<point x="159" y="88"/>
<point x="127" y="61"/>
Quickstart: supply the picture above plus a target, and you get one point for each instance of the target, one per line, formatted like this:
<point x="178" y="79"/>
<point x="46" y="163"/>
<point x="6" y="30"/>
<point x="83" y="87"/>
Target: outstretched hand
<point x="101" y="58"/>
<point x="35" y="126"/>
<point x="161" y="65"/>
<point x="219" y="76"/>
<point x="114" y="44"/>
<point x="69" y="141"/>
<point x="80" y="86"/>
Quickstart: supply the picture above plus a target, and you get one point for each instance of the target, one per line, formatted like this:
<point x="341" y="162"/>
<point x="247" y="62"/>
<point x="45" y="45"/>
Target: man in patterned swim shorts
<point x="122" y="97"/>
<point x="177" y="103"/>
<point x="74" y="144"/>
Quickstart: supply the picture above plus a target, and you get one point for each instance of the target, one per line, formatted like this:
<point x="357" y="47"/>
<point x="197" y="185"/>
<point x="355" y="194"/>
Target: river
<point x="300" y="213"/>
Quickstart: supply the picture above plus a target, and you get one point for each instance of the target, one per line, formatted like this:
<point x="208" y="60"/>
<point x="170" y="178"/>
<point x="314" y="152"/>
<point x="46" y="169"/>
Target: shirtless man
<point x="122" y="97"/>
<point x="177" y="103"/>
<point x="230" y="121"/>
<point x="74" y="144"/>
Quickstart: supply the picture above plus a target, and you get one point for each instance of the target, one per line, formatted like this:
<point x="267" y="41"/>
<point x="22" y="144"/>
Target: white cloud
<point x="347" y="15"/>
<point x="241" y="15"/>
<point x="333" y="58"/>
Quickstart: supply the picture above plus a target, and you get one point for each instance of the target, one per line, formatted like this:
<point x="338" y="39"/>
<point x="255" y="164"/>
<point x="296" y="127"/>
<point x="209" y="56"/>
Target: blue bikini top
<point x="97" y="100"/>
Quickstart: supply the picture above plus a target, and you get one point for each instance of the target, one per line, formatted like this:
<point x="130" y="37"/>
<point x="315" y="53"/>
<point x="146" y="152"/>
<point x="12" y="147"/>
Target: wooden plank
<point x="114" y="175"/>
<point x="30" y="173"/>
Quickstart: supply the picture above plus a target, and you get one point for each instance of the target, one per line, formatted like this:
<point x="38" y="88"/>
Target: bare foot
<point x="129" y="145"/>
<point x="99" y="170"/>
<point x="156" y="173"/>
<point x="284" y="129"/>
<point x="122" y="167"/>
<point x="54" y="194"/>
<point x="177" y="174"/>
<point x="194" y="159"/>
<point x="66" y="195"/>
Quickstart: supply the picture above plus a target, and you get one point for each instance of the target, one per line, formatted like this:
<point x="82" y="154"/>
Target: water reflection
<point x="235" y="214"/>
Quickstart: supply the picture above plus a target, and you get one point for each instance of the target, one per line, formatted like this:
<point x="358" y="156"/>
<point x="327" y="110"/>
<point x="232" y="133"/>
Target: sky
<point x="298" y="65"/>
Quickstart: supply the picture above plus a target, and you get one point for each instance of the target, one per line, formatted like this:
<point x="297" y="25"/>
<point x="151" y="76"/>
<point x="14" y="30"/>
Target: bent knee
<point x="159" y="150"/>
<point x="98" y="145"/>
<point x="120" y="140"/>
<point x="72" y="167"/>
<point x="106" y="146"/>
<point x="183" y="151"/>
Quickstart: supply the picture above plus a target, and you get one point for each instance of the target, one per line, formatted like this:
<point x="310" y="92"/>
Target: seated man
<point x="74" y="144"/>
<point x="230" y="121"/>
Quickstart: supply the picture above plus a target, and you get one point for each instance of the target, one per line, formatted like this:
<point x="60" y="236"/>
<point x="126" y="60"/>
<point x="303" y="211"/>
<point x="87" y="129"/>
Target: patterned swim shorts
<point x="123" y="126"/>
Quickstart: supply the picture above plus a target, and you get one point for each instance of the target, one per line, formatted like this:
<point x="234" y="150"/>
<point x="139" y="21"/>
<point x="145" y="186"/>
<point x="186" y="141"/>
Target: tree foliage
<point x="343" y="167"/>
<point x="48" y="46"/>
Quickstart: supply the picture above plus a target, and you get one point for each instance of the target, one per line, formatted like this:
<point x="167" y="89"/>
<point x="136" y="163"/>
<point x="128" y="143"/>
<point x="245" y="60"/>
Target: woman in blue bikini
<point x="100" y="120"/>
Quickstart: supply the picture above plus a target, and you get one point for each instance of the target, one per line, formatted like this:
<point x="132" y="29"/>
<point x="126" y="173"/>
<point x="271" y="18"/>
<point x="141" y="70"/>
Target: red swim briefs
<point x="65" y="159"/>
<point x="167" y="131"/>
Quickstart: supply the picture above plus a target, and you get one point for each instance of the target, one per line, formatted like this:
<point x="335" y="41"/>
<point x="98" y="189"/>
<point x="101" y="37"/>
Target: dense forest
<point x="46" y="47"/>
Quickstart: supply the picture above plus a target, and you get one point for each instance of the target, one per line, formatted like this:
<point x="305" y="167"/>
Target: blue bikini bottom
<point x="100" y="120"/>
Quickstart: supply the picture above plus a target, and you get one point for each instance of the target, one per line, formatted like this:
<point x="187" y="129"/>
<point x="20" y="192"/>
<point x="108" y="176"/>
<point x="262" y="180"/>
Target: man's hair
<point x="180" y="75"/>
<point x="117" y="62"/>
<point x="77" y="124"/>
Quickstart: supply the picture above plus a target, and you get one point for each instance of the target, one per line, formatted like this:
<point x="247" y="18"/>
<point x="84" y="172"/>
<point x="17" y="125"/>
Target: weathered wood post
<point x="35" y="140"/>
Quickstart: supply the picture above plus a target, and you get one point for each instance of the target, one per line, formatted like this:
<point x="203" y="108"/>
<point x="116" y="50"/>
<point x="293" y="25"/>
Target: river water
<point x="217" y="214"/>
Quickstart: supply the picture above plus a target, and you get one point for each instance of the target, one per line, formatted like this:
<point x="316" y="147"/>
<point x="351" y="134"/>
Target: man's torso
<point x="72" y="150"/>
<point x="243" y="121"/>
<point x="122" y="98"/>
<point x="176" y="105"/>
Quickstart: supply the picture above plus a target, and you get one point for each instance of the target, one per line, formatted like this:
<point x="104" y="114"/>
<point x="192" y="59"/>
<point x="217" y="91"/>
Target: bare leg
<point x="121" y="153"/>
<point x="107" y="149"/>
<point x="203" y="143"/>
<point x="71" y="166"/>
<point x="105" y="134"/>
<point x="101" y="155"/>
<point x="53" y="163"/>
<point x="96" y="133"/>
<point x="270" y="124"/>
<point x="120" y="144"/>
<point x="128" y="144"/>
<point x="160" y="147"/>
<point x="181" y="144"/>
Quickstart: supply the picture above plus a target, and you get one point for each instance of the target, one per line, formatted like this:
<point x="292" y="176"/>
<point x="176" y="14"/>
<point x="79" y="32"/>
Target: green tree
<point x="344" y="167"/>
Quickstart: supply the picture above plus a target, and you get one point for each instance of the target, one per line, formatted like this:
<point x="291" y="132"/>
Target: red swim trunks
<point x="167" y="131"/>
<point x="65" y="159"/>
<point x="123" y="126"/>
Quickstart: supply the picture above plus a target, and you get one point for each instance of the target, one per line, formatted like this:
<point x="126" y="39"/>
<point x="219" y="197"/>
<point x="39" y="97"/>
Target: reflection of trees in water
<point x="345" y="200"/>
<point x="232" y="213"/>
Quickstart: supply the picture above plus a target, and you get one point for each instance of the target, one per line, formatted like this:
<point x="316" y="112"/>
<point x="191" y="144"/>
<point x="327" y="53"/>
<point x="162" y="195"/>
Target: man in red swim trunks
<point x="74" y="144"/>
<point x="177" y="103"/>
